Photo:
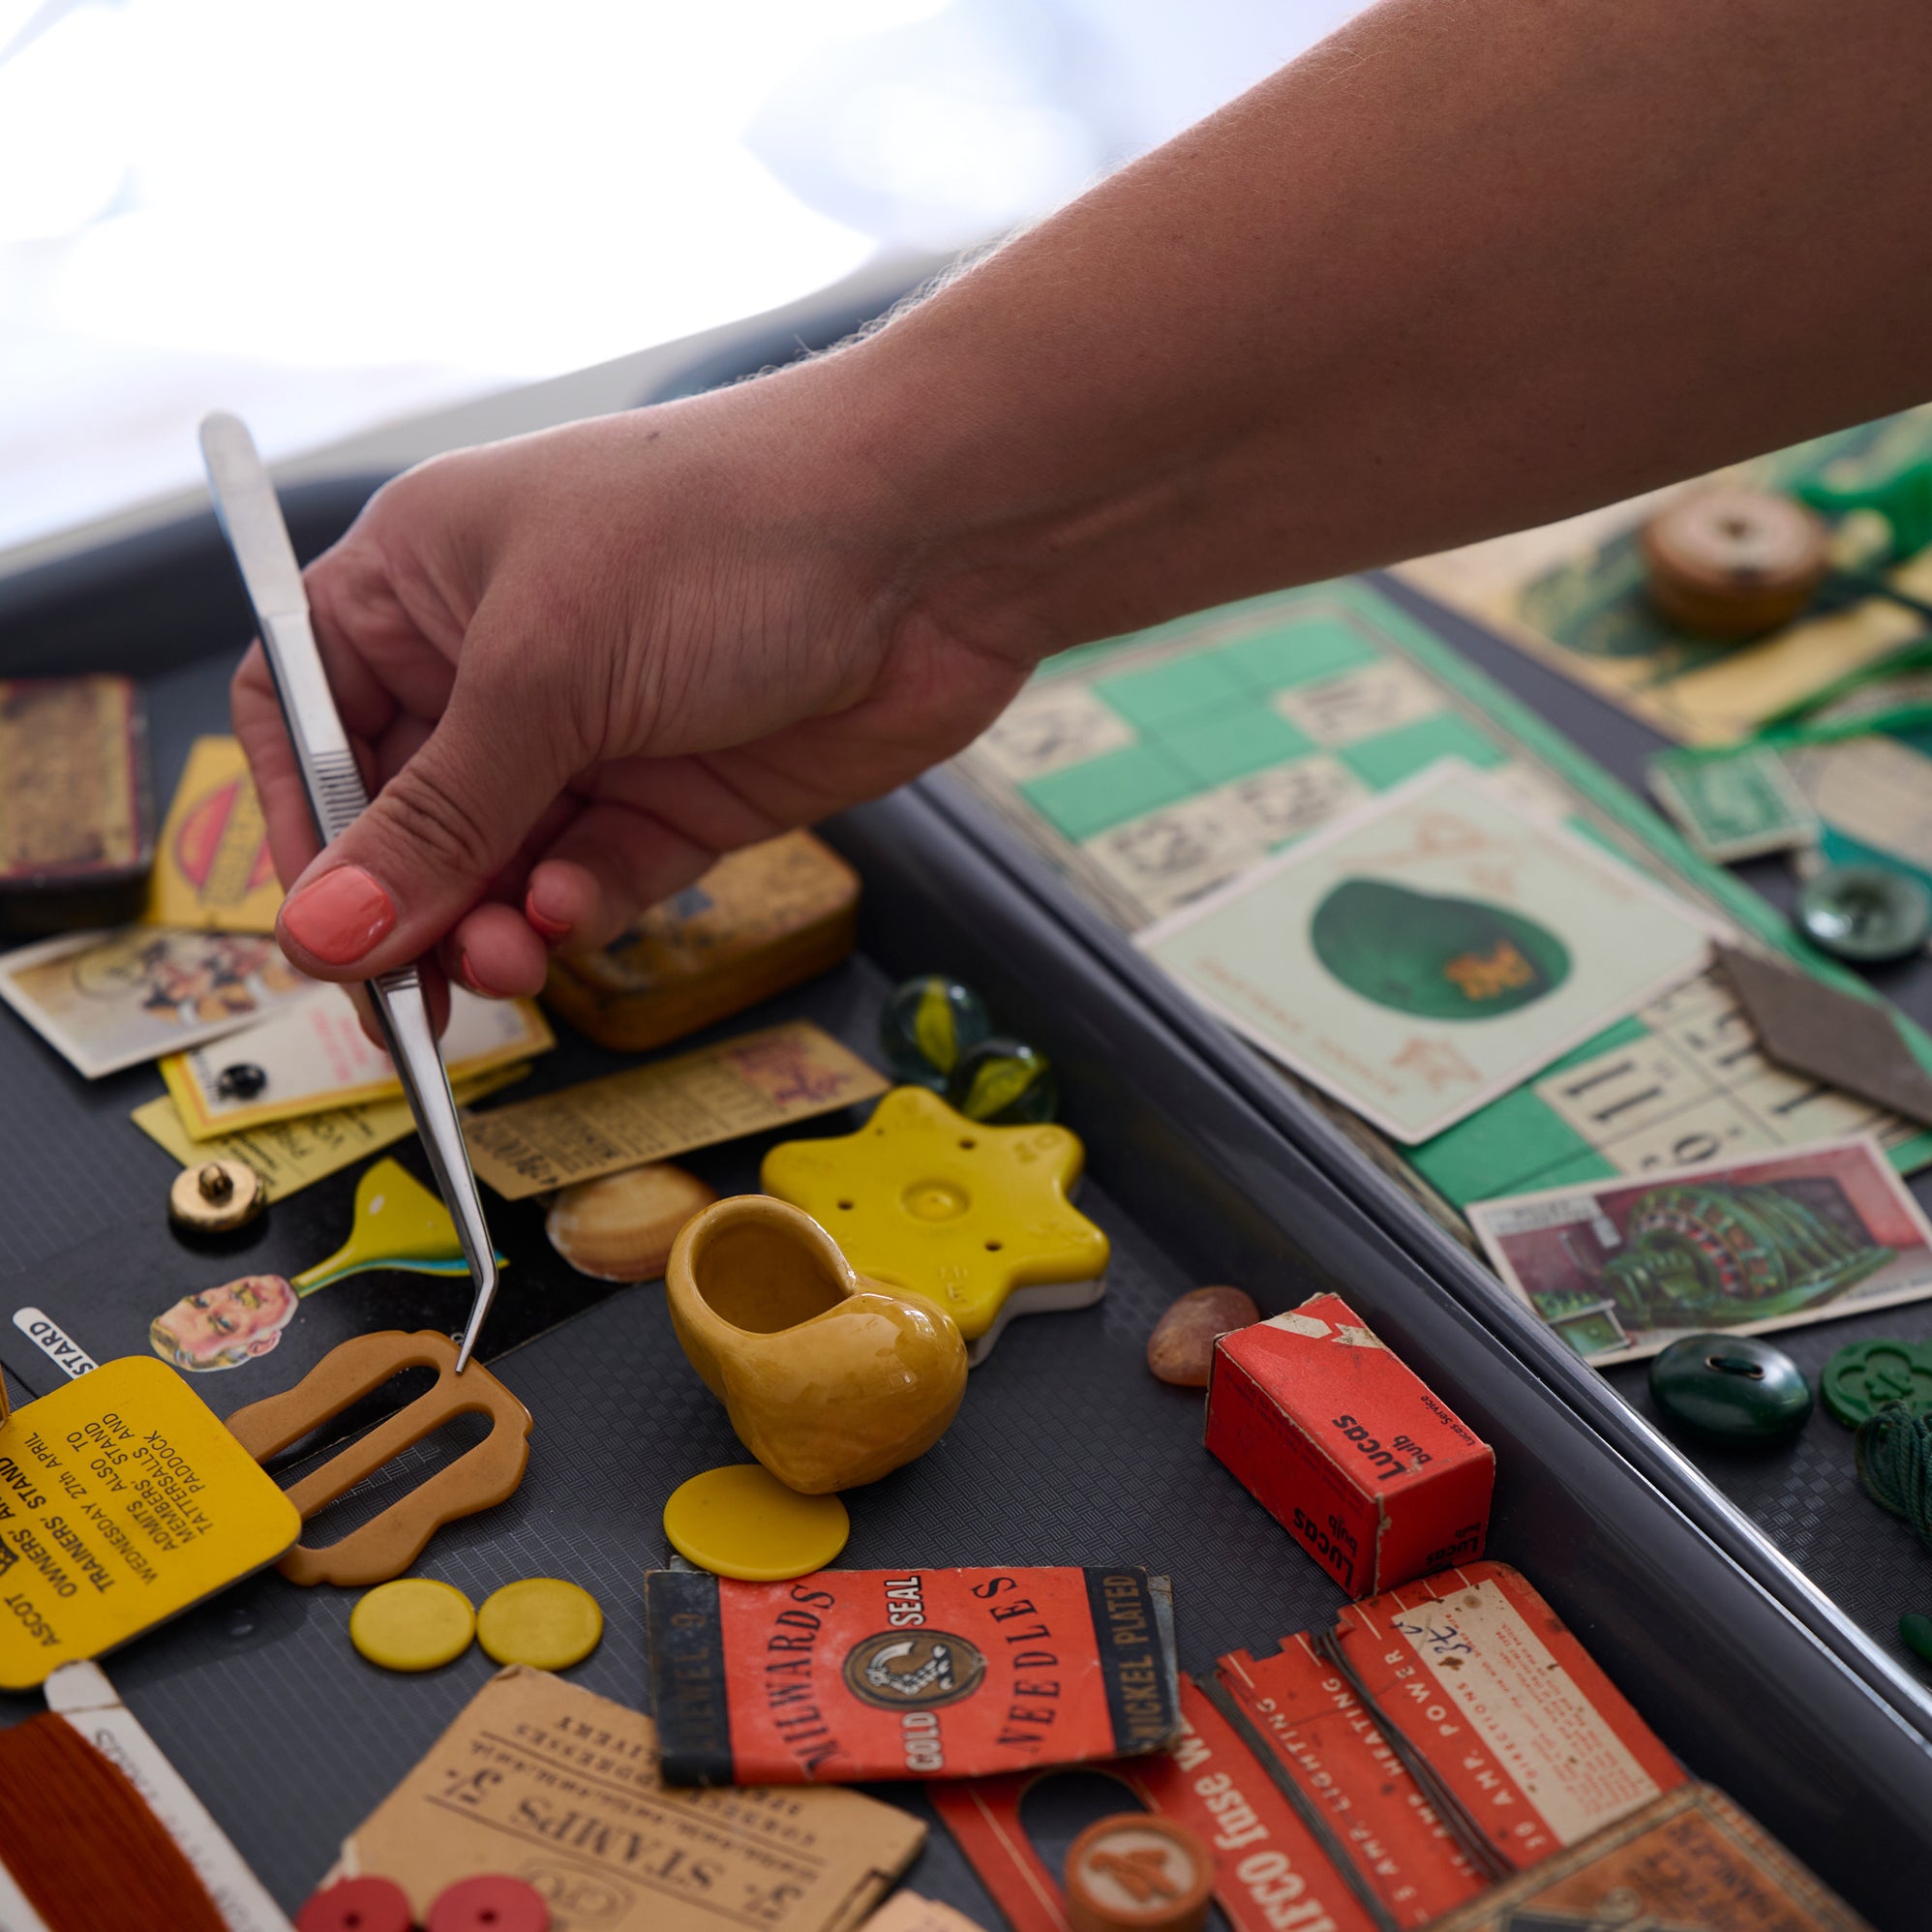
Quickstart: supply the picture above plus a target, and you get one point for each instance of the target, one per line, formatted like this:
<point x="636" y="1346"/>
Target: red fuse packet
<point x="1270" y="1875"/>
<point x="1347" y="1449"/>
<point x="1303" y="1720"/>
<point x="1523" y="1733"/>
<point x="851" y="1674"/>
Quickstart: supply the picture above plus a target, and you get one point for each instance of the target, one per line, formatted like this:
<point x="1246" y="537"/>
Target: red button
<point x="493" y="1903"/>
<point x="357" y="1905"/>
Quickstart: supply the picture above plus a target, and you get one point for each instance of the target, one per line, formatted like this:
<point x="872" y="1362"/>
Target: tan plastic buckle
<point x="385" y="1547"/>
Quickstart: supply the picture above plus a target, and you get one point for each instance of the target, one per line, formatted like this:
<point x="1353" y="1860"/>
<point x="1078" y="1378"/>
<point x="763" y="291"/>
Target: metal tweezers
<point x="250" y="519"/>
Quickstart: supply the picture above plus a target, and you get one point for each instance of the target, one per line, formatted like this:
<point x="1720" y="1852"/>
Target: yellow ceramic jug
<point x="830" y="1380"/>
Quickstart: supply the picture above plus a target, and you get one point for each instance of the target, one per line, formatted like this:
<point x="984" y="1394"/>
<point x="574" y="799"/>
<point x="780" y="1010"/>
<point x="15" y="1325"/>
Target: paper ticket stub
<point x="1690" y="1858"/>
<point x="1270" y="1874"/>
<point x="559" y="1788"/>
<point x="211" y="865"/>
<point x="1305" y="1723"/>
<point x="122" y="1502"/>
<point x="759" y="1080"/>
<point x="316" y="1056"/>
<point x="290" y="1154"/>
<point x="916" y="1673"/>
<point x="1515" y="1719"/>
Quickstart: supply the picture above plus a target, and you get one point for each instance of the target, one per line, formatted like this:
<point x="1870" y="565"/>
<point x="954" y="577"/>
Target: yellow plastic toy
<point x="975" y="1218"/>
<point x="399" y="1224"/>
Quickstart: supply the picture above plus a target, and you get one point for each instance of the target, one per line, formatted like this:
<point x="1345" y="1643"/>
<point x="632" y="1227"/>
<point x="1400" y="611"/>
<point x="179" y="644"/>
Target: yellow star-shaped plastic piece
<point x="969" y="1216"/>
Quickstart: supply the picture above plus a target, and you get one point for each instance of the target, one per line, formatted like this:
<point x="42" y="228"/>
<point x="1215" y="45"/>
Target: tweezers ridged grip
<point x="337" y="796"/>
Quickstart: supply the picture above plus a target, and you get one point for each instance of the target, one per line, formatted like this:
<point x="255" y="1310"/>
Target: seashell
<point x="621" y="1229"/>
<point x="1181" y="1348"/>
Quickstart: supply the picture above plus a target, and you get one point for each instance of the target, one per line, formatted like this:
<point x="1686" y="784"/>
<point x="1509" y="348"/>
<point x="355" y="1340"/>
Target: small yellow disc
<point x="542" y="1621"/>
<point x="742" y="1521"/>
<point x="412" y="1625"/>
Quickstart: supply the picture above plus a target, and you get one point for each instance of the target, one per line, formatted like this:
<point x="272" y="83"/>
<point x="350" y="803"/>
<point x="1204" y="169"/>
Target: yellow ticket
<point x="290" y="1154"/>
<point x="123" y="1502"/>
<point x="212" y="871"/>
<point x="739" y="1086"/>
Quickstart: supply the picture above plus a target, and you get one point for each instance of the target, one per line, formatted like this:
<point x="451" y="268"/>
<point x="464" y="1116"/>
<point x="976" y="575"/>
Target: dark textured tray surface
<point x="1067" y="1451"/>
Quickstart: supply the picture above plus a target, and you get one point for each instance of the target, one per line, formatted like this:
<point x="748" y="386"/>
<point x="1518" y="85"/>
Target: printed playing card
<point x="110" y="1000"/>
<point x="1622" y="1268"/>
<point x="1431" y="950"/>
<point x="313" y="1056"/>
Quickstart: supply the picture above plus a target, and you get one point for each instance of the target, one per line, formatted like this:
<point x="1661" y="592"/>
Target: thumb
<point x="434" y="836"/>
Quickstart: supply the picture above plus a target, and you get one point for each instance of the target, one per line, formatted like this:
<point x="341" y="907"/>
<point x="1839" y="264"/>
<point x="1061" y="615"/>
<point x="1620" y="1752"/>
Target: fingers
<point x="609" y="863"/>
<point x="443" y="828"/>
<point x="256" y="714"/>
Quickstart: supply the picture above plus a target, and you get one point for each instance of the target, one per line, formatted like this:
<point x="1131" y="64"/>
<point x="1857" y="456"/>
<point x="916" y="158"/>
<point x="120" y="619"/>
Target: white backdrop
<point x="325" y="213"/>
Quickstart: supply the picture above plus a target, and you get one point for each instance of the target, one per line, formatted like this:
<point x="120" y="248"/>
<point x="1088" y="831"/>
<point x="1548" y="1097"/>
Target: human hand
<point x="576" y="667"/>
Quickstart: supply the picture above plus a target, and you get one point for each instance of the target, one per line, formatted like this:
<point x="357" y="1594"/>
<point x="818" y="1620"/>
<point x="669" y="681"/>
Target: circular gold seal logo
<point x="900" y="1670"/>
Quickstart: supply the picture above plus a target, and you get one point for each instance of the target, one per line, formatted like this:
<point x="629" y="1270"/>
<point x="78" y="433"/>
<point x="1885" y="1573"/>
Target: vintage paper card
<point x="1620" y="1269"/>
<point x="760" y="1081"/>
<point x="315" y="1056"/>
<point x="1688" y="1859"/>
<point x="110" y="1000"/>
<point x="559" y="1788"/>
<point x="1430" y="951"/>
<point x="211" y="867"/>
<point x="290" y="1154"/>
<point x="122" y="1502"/>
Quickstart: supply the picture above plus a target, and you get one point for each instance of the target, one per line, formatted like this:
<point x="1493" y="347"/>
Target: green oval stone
<point x="1865" y="913"/>
<point x="1731" y="1389"/>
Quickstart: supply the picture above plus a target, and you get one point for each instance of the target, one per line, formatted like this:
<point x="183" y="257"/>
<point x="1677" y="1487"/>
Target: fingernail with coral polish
<point x="467" y="972"/>
<point x="551" y="928"/>
<point x="340" y="915"/>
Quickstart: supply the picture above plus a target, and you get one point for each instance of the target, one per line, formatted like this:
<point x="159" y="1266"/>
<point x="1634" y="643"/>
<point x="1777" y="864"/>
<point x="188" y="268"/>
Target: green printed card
<point x="1428" y="954"/>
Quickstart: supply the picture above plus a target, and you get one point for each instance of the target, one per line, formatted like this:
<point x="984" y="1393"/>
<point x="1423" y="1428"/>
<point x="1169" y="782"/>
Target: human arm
<point x="1469" y="265"/>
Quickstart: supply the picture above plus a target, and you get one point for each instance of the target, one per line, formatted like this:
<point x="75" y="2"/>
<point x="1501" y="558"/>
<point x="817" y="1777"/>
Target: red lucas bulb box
<point x="1347" y="1449"/>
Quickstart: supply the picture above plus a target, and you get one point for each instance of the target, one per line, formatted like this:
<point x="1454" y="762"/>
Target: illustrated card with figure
<point x="1622" y="1270"/>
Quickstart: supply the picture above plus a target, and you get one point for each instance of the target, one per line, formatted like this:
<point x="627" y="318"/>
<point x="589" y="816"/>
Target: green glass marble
<point x="1005" y="1083"/>
<point x="1863" y="1377"/>
<point x="926" y="1024"/>
<point x="1867" y="914"/>
<point x="1732" y="1389"/>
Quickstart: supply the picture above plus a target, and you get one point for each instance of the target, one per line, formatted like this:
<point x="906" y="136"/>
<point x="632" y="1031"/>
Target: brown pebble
<point x="1181" y="1348"/>
<point x="621" y="1229"/>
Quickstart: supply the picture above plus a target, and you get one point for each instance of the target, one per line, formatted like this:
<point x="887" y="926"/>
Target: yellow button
<point x="412" y="1625"/>
<point x="923" y="1199"/>
<point x="542" y="1621"/>
<point x="742" y="1521"/>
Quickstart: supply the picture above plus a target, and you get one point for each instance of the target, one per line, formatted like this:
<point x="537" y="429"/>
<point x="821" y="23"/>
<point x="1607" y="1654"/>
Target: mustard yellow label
<point x="212" y="871"/>
<point x="123" y="1501"/>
